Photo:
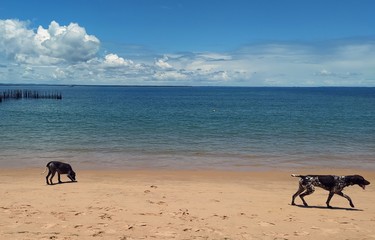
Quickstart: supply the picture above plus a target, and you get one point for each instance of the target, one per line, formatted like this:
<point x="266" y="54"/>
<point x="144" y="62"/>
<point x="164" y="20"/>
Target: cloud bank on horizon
<point x="69" y="55"/>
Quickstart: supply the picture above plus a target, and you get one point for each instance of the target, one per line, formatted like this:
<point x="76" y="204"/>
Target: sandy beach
<point x="176" y="204"/>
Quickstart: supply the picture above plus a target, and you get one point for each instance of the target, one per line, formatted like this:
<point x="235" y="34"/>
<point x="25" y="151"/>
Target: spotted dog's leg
<point x="331" y="193"/>
<point x="299" y="191"/>
<point x="309" y="190"/>
<point x="347" y="197"/>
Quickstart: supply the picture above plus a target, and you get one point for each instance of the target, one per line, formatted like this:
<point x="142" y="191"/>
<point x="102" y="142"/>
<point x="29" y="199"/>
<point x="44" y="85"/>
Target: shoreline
<point x="253" y="169"/>
<point x="280" y="174"/>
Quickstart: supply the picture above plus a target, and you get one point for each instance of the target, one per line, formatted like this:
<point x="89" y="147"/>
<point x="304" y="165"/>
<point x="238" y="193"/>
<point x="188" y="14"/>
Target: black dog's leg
<point x="347" y="197"/>
<point x="52" y="175"/>
<point x="49" y="173"/>
<point x="309" y="191"/>
<point x="299" y="191"/>
<point x="58" y="176"/>
<point x="329" y="199"/>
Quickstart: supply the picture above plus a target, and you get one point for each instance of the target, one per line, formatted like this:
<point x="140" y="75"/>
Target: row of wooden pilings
<point x="28" y="94"/>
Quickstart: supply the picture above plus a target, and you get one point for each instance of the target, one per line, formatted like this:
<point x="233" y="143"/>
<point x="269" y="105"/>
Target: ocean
<point x="228" y="128"/>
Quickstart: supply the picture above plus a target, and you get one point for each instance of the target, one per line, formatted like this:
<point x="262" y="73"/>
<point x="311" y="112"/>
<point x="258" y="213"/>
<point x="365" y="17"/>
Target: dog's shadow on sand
<point x="59" y="183"/>
<point x="331" y="208"/>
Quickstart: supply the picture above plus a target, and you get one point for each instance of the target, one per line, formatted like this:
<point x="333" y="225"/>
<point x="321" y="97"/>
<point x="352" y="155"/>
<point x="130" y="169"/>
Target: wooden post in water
<point x="28" y="94"/>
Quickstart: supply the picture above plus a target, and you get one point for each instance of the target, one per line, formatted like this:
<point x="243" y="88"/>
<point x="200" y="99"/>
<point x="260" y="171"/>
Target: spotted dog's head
<point x="357" y="179"/>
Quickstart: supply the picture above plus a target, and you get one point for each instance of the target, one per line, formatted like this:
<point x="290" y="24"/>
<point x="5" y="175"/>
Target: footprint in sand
<point x="95" y="231"/>
<point x="158" y="203"/>
<point x="302" y="233"/>
<point x="50" y="225"/>
<point x="59" y="215"/>
<point x="277" y="235"/>
<point x="98" y="234"/>
<point x="266" y="224"/>
<point x="183" y="211"/>
<point x="5" y="209"/>
<point x="224" y="217"/>
<point x="331" y="230"/>
<point x="151" y="214"/>
<point x="129" y="227"/>
<point x="184" y="214"/>
<point x="106" y="216"/>
<point x="165" y="234"/>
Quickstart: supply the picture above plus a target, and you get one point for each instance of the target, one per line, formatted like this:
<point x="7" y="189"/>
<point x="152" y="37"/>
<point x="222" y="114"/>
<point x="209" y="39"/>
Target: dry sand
<point x="178" y="205"/>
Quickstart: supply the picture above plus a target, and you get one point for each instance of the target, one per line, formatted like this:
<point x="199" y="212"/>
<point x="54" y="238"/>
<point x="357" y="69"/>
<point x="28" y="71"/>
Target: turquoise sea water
<point x="190" y="127"/>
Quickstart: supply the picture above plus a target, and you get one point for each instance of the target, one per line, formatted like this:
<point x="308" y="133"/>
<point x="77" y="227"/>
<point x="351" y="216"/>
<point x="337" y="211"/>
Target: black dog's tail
<point x="46" y="168"/>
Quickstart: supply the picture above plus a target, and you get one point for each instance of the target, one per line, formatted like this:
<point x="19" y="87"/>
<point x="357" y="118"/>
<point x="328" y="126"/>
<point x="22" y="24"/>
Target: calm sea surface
<point x="191" y="128"/>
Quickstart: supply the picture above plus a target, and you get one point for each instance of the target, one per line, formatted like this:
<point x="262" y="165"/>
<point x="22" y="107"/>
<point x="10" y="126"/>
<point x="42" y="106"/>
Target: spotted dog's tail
<point x="296" y="175"/>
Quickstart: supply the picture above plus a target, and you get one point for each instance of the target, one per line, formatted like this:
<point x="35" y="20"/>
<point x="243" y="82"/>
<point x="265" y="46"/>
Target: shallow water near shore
<point x="191" y="127"/>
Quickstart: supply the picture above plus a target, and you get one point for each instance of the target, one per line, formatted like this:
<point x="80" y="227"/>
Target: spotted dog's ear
<point x="357" y="179"/>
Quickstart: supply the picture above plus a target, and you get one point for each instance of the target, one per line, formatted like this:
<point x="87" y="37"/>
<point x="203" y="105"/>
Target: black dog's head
<point x="72" y="176"/>
<point x="359" y="180"/>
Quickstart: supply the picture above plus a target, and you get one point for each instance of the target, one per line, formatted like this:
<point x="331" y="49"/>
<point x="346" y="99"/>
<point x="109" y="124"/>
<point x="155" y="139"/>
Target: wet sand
<point x="176" y="204"/>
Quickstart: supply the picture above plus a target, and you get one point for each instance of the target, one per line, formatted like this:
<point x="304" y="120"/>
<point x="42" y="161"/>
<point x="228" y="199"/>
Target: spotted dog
<point x="333" y="184"/>
<point x="60" y="168"/>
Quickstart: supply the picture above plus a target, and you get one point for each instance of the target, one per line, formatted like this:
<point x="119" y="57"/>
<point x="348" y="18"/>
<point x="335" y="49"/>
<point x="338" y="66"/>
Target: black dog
<point x="331" y="183"/>
<point x="60" y="168"/>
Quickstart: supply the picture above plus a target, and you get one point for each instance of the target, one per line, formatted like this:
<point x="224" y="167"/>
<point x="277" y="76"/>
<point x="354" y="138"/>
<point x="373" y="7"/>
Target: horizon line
<point x="185" y="86"/>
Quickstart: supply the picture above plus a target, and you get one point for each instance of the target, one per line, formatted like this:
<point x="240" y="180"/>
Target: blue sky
<point x="188" y="42"/>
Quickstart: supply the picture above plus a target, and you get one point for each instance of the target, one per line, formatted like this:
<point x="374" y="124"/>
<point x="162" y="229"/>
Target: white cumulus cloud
<point x="56" y="44"/>
<point x="113" y="60"/>
<point x="69" y="55"/>
<point x="162" y="63"/>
